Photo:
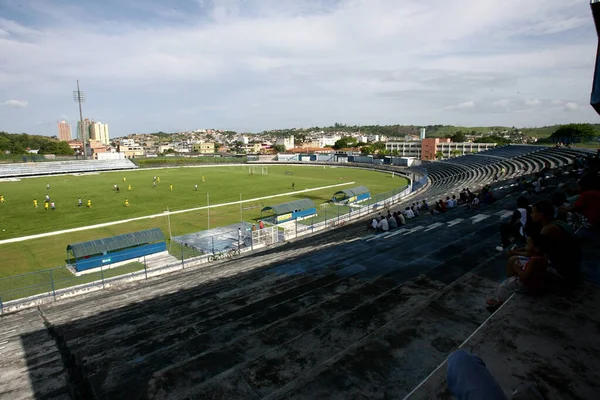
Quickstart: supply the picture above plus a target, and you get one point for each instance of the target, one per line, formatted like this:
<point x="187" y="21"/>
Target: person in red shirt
<point x="261" y="225"/>
<point x="588" y="205"/>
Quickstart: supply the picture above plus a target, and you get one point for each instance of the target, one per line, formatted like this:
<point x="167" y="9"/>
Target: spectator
<point x="463" y="196"/>
<point x="515" y="227"/>
<point x="454" y="200"/>
<point x="425" y="206"/>
<point x="469" y="379"/>
<point x="488" y="197"/>
<point x="400" y="220"/>
<point x="415" y="211"/>
<point x="563" y="251"/>
<point x="588" y="206"/>
<point x="449" y="202"/>
<point x="383" y="226"/>
<point x="373" y="224"/>
<point x="443" y="207"/>
<point x="525" y="274"/>
<point x="408" y="213"/>
<point x="392" y="222"/>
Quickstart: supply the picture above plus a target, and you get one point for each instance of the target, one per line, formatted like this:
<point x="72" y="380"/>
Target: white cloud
<point x="306" y="63"/>
<point x="503" y="103"/>
<point x="571" y="106"/>
<point x="465" y="105"/>
<point x="15" y="103"/>
<point x="533" y="102"/>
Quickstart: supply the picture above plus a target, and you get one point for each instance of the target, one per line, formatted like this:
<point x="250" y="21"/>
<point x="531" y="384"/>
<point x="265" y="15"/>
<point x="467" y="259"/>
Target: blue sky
<point x="252" y="65"/>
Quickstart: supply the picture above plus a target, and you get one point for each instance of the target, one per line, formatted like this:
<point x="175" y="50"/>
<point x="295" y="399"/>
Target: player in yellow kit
<point x="126" y="202"/>
<point x="35" y="203"/>
<point x="170" y="188"/>
<point x="203" y="180"/>
<point x="124" y="179"/>
<point x="89" y="203"/>
<point x="129" y="188"/>
<point x="1" y="198"/>
<point x="46" y="204"/>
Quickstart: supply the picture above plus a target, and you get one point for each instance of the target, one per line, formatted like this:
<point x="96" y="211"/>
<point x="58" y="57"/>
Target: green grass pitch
<point x="18" y="217"/>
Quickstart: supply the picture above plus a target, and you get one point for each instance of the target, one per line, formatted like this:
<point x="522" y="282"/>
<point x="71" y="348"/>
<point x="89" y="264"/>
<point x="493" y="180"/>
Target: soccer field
<point x="224" y="184"/>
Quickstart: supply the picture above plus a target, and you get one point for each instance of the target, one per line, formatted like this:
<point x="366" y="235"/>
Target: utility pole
<point x="79" y="97"/>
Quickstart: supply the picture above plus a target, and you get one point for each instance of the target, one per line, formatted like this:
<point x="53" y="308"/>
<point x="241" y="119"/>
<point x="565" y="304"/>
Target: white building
<point x="422" y="133"/>
<point x="325" y="141"/>
<point x="287" y="142"/>
<point x="242" y="139"/>
<point x="99" y="132"/>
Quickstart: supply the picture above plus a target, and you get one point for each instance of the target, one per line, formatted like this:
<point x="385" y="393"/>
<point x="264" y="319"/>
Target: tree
<point x="279" y="148"/>
<point x="439" y="155"/>
<point x="572" y="131"/>
<point x="346" y="141"/>
<point x="458" y="137"/>
<point x="456" y="153"/>
<point x="492" y="139"/>
<point x="63" y="149"/>
<point x="366" y="150"/>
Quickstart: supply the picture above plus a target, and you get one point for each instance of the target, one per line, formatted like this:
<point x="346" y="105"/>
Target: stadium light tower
<point x="79" y="97"/>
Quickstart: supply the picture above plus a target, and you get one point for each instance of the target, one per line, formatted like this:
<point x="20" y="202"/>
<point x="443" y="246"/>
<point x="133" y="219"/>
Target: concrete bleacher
<point x="345" y="314"/>
<point x="62" y="167"/>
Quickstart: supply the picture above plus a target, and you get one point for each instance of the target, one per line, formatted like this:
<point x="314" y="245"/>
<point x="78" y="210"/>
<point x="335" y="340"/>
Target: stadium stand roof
<point x="302" y="204"/>
<point x="112" y="243"/>
<point x="356" y="191"/>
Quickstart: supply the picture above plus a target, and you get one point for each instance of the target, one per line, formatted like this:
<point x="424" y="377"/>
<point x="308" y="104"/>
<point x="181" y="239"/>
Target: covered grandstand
<point x="289" y="211"/>
<point x="96" y="253"/>
<point x="352" y="195"/>
<point x="15" y="170"/>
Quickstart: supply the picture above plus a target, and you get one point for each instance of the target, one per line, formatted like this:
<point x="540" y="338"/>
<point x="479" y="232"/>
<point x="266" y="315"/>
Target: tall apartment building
<point x="83" y="131"/>
<point x="93" y="130"/>
<point x="64" y="131"/>
<point x="99" y="132"/>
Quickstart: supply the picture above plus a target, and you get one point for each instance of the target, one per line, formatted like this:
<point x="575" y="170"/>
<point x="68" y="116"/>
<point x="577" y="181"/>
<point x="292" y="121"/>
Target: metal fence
<point x="29" y="289"/>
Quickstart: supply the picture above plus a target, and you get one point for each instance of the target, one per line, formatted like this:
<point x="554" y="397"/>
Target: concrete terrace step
<point x="161" y="355"/>
<point x="550" y="341"/>
<point x="180" y="376"/>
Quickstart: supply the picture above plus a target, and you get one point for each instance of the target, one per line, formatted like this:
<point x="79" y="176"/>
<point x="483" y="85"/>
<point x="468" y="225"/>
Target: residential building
<point x="204" y="148"/>
<point x="162" y="148"/>
<point x="252" y="148"/>
<point x="242" y="139"/>
<point x="64" y="131"/>
<point x="83" y="131"/>
<point x="287" y="142"/>
<point x="325" y="141"/>
<point x="99" y="132"/>
<point x="131" y="151"/>
<point x="428" y="148"/>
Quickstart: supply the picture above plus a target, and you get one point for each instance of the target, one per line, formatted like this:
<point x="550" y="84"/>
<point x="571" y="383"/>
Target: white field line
<point x="124" y="221"/>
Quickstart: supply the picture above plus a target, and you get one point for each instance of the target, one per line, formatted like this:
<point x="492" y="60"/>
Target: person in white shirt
<point x="408" y="213"/>
<point x="449" y="202"/>
<point x="383" y="225"/>
<point x="374" y="224"/>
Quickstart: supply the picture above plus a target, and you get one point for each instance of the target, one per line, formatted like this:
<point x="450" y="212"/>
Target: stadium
<point x="315" y="307"/>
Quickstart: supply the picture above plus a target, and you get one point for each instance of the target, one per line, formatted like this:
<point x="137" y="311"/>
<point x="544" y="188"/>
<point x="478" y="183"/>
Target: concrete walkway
<point x="85" y="228"/>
